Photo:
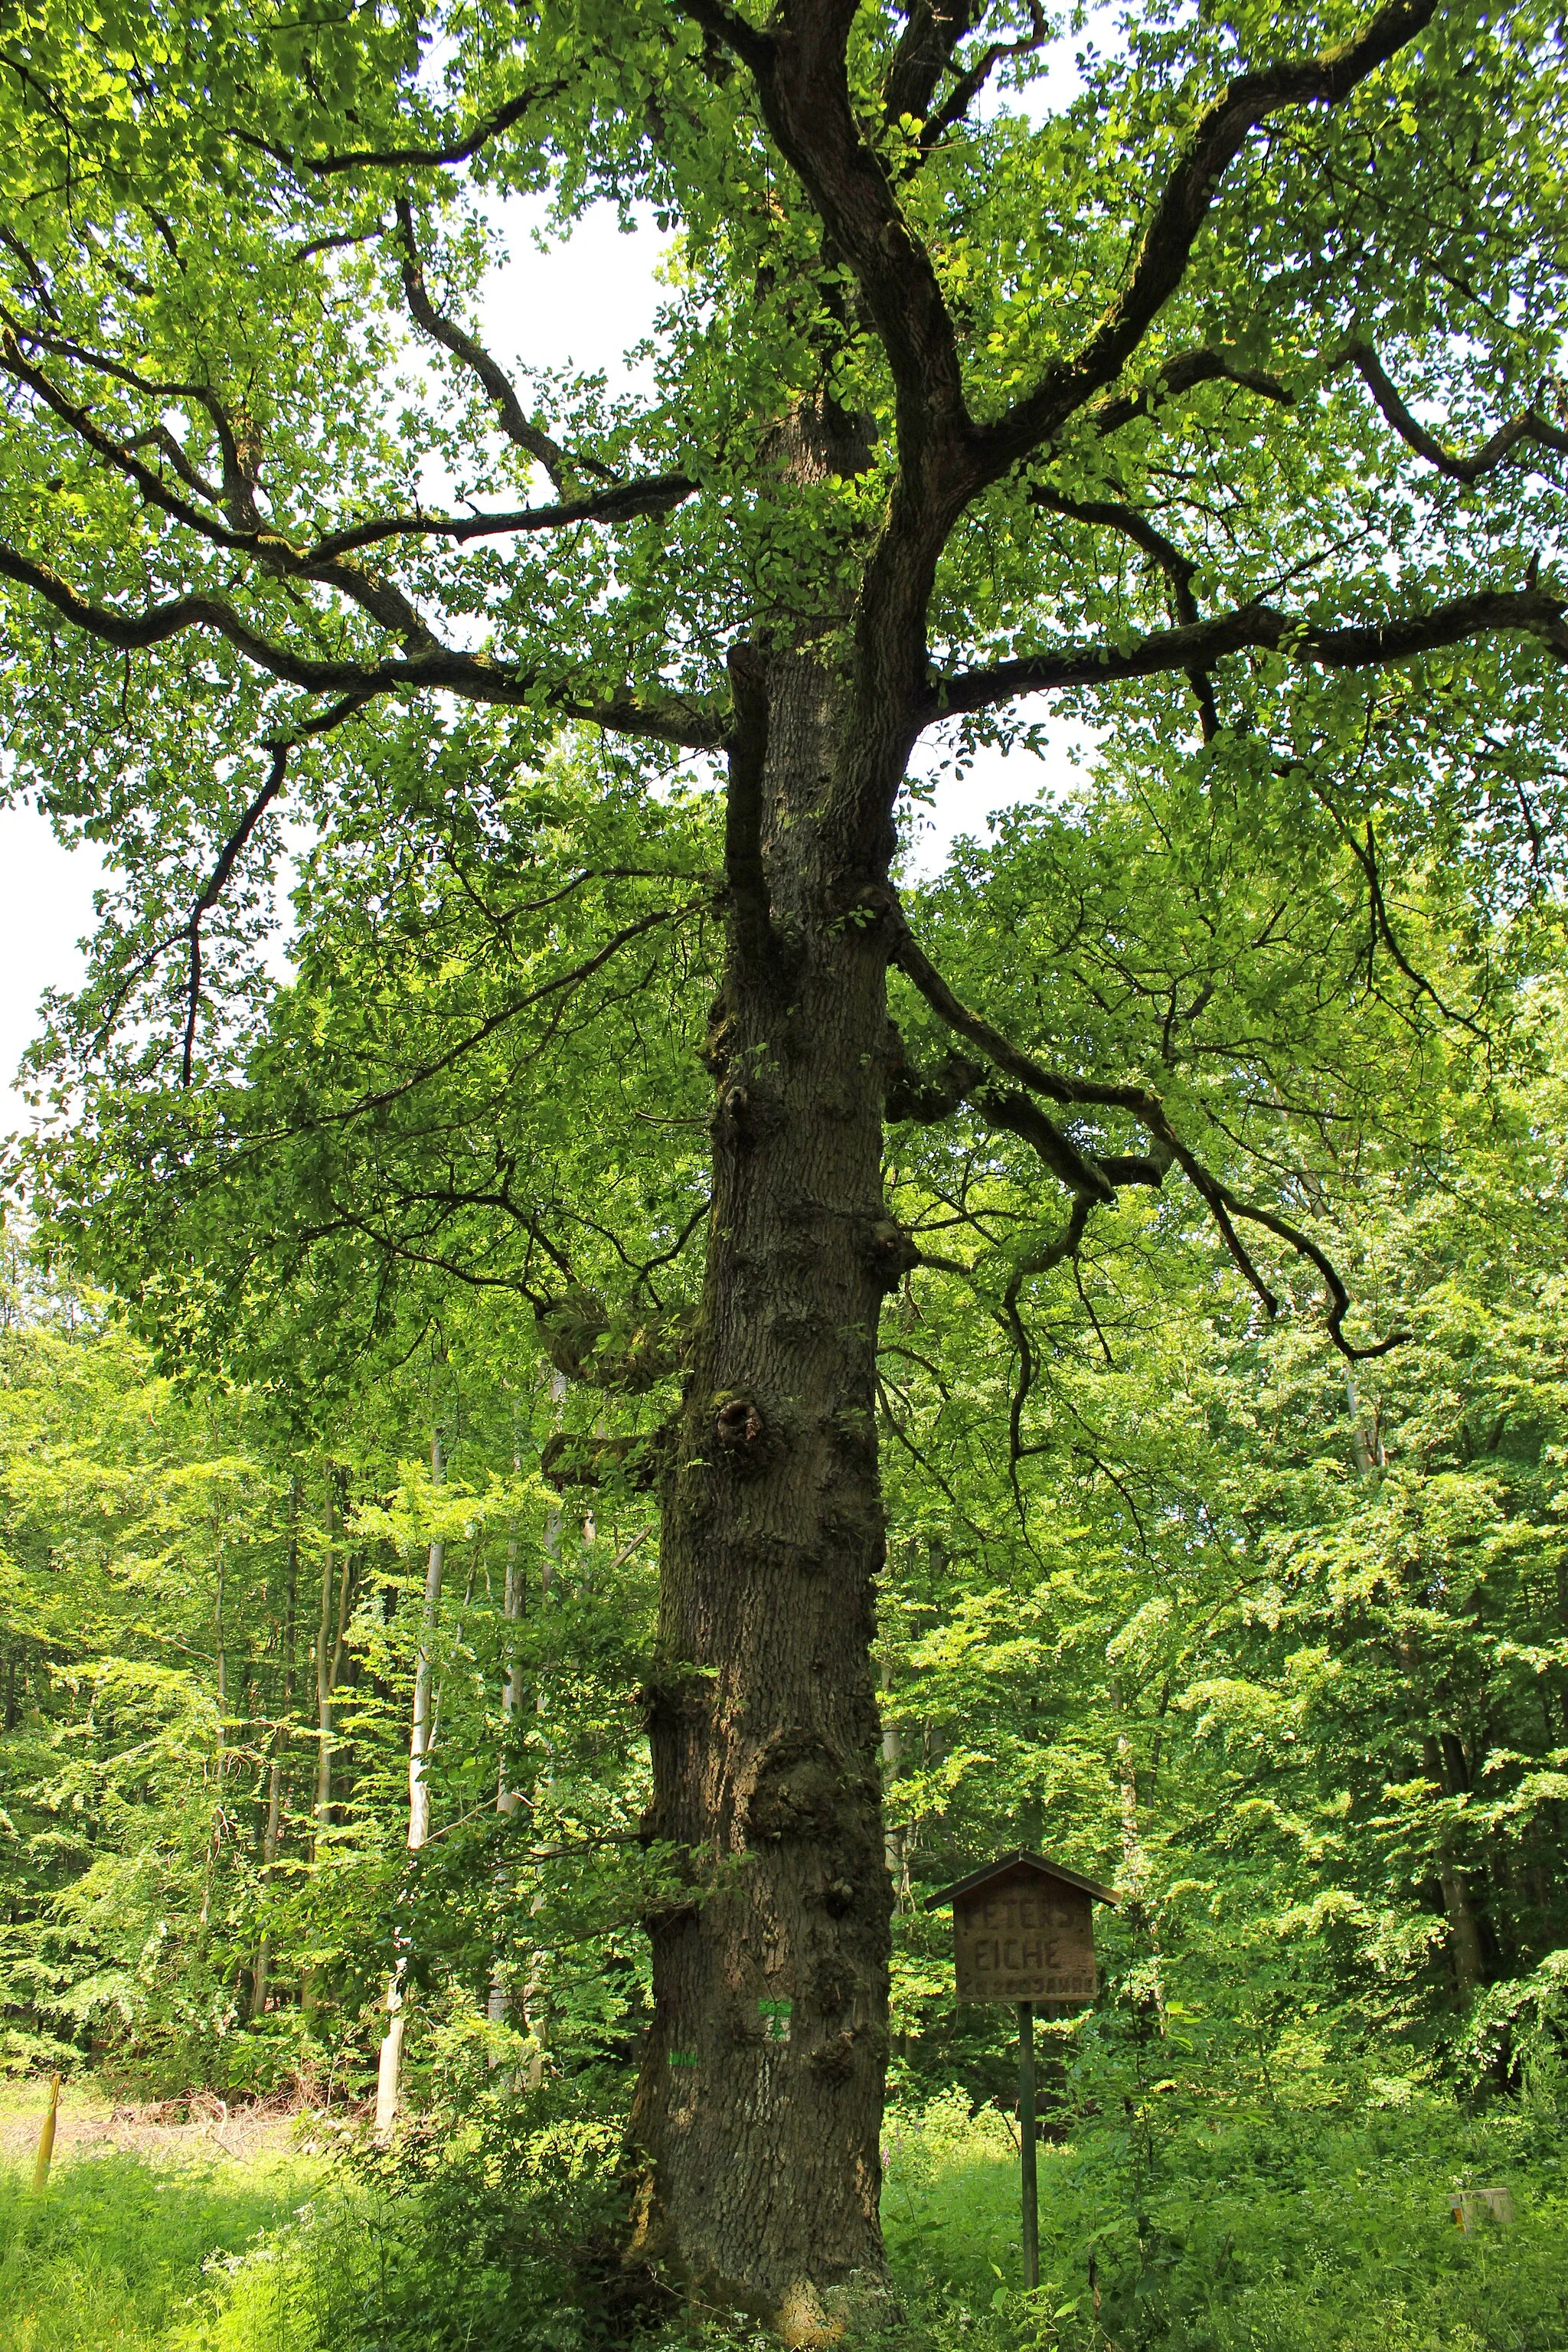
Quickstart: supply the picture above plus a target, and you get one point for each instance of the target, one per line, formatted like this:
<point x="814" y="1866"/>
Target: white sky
<point x="587" y="301"/>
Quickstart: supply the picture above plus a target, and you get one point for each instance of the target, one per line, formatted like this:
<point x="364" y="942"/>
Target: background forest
<point x="1275" y="1645"/>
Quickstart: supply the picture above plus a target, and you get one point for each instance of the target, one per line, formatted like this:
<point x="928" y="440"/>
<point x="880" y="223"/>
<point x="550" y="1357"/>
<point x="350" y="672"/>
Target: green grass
<point x="1281" y="2233"/>
<point x="1290" y="2232"/>
<point x="110" y="2259"/>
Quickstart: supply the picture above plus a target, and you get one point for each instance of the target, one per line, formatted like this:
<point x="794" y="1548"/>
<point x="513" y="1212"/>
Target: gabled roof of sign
<point x="1007" y="1862"/>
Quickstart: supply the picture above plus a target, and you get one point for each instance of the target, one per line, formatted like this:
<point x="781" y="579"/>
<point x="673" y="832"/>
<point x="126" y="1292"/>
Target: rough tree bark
<point x="758" y="2122"/>
<point x="769" y="2037"/>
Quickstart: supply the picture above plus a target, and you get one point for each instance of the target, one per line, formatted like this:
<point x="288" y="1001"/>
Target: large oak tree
<point x="1220" y="405"/>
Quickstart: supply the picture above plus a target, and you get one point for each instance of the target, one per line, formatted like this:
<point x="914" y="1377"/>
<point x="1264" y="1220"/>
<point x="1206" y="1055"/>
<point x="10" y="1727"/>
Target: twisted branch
<point x="1529" y="426"/>
<point x="1180" y="211"/>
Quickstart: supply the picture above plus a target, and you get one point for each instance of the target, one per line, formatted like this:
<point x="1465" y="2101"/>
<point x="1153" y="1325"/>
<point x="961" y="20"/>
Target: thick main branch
<point x="1180" y="211"/>
<point x="1525" y="611"/>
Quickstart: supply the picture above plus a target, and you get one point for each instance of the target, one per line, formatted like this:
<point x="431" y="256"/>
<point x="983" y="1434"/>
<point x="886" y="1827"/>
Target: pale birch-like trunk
<point x="1366" y="1444"/>
<point x="389" y="2070"/>
<point x="892" y="1837"/>
<point x="221" y="1650"/>
<point x="534" y="2001"/>
<point x="324" y="1664"/>
<point x="220" y="1745"/>
<point x="331" y="1644"/>
<point x="507" y="1796"/>
<point x="271" y="1836"/>
<point x="1132" y="1879"/>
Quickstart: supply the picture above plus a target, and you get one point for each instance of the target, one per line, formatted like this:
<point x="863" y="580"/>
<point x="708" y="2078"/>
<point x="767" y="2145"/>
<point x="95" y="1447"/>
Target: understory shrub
<point x="1285" y="2231"/>
<point x="492" y="2228"/>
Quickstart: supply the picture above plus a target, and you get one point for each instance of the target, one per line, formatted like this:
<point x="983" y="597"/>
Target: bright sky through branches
<point x="587" y="301"/>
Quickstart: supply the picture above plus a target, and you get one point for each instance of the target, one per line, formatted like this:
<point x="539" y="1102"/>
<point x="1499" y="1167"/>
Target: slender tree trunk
<point x="215" y="1838"/>
<point x="508" y="1800"/>
<point x="325" y="1660"/>
<point x="892" y="1839"/>
<point x="535" y="2003"/>
<point x="1466" y="1943"/>
<point x="758" y="2123"/>
<point x="220" y="1652"/>
<point x="1366" y="1442"/>
<point x="389" y="2070"/>
<point x="272" y="1836"/>
<point x="1132" y="1879"/>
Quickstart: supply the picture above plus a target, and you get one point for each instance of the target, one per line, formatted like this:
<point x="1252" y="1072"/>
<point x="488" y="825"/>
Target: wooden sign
<point x="1023" y="1930"/>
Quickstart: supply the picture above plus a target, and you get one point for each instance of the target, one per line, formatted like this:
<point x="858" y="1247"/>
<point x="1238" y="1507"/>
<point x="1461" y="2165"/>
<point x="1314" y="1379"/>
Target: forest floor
<point x="92" y="2123"/>
<point x="127" y="2250"/>
<point x="187" y="2229"/>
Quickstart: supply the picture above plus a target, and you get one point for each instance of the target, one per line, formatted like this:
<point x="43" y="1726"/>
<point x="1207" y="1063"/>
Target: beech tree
<point x="1219" y="405"/>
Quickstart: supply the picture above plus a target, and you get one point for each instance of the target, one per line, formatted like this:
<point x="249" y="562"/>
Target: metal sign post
<point x="1023" y="1931"/>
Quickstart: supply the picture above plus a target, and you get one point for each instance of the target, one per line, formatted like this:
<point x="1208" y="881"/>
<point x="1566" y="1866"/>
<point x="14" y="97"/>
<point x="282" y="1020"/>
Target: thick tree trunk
<point x="758" y="2109"/>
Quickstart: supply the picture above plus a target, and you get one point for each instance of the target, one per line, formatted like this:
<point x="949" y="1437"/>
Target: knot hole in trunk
<point x="741" y="1432"/>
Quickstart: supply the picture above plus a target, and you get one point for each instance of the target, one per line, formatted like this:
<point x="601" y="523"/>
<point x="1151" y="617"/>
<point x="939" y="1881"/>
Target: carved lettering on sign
<point x="1023" y="1938"/>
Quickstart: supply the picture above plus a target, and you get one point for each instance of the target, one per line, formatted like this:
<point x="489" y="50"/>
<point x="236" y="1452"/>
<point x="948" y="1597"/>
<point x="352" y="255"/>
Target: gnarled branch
<point x="1529" y="427"/>
<point x="473" y="355"/>
<point x="973" y="78"/>
<point x="1063" y="1245"/>
<point x="228" y="858"/>
<point x="433" y="667"/>
<point x="408" y="157"/>
<point x="803" y="85"/>
<point x="1108" y="514"/>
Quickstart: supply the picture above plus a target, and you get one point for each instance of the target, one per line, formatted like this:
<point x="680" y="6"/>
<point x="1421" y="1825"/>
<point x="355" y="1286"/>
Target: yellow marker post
<point x="47" y="2141"/>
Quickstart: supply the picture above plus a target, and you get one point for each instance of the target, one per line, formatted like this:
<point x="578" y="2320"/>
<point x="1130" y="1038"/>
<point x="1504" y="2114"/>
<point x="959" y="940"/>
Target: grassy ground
<point x="1279" y="2233"/>
<point x="109" y="2258"/>
<point x="1286" y="2233"/>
